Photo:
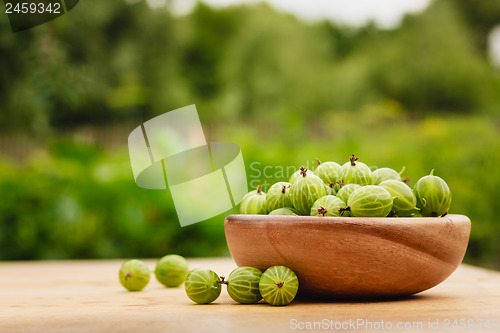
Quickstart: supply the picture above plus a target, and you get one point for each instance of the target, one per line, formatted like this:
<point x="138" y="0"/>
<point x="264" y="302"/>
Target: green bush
<point x="77" y="201"/>
<point x="80" y="201"/>
<point x="422" y="95"/>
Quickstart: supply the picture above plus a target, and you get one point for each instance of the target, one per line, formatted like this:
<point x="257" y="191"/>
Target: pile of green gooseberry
<point x="352" y="189"/>
<point x="171" y="271"/>
<point x="278" y="285"/>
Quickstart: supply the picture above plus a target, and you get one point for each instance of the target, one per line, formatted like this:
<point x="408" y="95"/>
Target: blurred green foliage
<point x="422" y="95"/>
<point x="78" y="201"/>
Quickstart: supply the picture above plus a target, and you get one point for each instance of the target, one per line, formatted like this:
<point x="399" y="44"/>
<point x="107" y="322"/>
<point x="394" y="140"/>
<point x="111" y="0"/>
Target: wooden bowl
<point x="352" y="257"/>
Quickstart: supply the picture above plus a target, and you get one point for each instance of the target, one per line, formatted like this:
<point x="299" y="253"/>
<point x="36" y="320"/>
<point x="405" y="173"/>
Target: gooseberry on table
<point x="171" y="270"/>
<point x="134" y="275"/>
<point x="278" y="285"/>
<point x="243" y="285"/>
<point x="203" y="286"/>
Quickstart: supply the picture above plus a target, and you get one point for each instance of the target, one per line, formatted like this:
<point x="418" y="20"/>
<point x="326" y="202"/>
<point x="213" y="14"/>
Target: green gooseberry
<point x="405" y="202"/>
<point x="203" y="286"/>
<point x="134" y="275"/>
<point x="433" y="195"/>
<point x="346" y="190"/>
<point x="171" y="270"/>
<point x="254" y="202"/>
<point x="354" y="172"/>
<point x="249" y="194"/>
<point x="329" y="205"/>
<point x="278" y="285"/>
<point x="278" y="196"/>
<point x="284" y="211"/>
<point x="305" y="191"/>
<point x="370" y="201"/>
<point x="298" y="173"/>
<point x="383" y="174"/>
<point x="327" y="171"/>
<point x="243" y="285"/>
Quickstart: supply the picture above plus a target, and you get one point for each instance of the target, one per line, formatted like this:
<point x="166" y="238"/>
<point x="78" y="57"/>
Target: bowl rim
<point x="255" y="218"/>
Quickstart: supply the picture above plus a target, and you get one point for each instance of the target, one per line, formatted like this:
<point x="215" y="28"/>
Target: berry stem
<point x="322" y="210"/>
<point x="353" y="160"/>
<point x="280" y="284"/>
<point x="318" y="161"/>
<point x="342" y="210"/>
<point x="221" y="281"/>
<point x="392" y="214"/>
<point x="259" y="189"/>
<point x="283" y="190"/>
<point x="303" y="172"/>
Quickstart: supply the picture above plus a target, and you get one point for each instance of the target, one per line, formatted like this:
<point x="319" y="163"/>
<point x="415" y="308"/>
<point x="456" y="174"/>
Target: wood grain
<point x="86" y="296"/>
<point x="352" y="257"/>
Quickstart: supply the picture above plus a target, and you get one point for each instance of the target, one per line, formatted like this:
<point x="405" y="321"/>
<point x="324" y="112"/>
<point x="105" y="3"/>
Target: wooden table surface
<point x="86" y="296"/>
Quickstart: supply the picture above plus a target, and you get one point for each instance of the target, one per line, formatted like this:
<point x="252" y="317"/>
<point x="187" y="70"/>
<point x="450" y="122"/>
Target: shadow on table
<point x="413" y="298"/>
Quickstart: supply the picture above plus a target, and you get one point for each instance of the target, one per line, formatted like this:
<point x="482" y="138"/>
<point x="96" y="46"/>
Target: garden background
<point x="424" y="95"/>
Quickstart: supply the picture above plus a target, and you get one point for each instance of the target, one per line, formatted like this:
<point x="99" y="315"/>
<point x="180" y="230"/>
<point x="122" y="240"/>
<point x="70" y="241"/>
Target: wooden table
<point x="86" y="296"/>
